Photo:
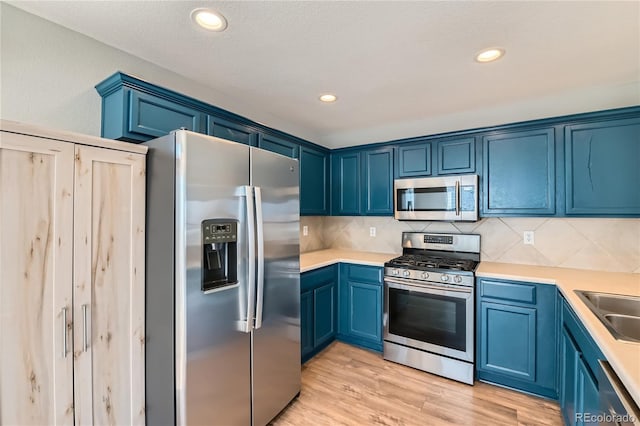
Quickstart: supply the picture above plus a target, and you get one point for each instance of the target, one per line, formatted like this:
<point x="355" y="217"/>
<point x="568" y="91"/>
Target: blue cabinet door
<point x="519" y="173"/>
<point x="360" y="306"/>
<point x="413" y="159"/>
<point x="587" y="395"/>
<point x="345" y="183"/>
<point x="456" y="156"/>
<point x="377" y="182"/>
<point x="579" y="355"/>
<point x="324" y="314"/>
<point x="278" y="145"/>
<point x="153" y="116"/>
<point x="306" y="323"/>
<point x="231" y="131"/>
<point x="602" y="176"/>
<point x="508" y="340"/>
<point x="517" y="335"/>
<point x="318" y="309"/>
<point x="314" y="182"/>
<point x="569" y="356"/>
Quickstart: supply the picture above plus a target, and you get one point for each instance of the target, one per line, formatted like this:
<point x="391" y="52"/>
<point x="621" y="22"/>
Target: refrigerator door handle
<point x="251" y="237"/>
<point x="260" y="243"/>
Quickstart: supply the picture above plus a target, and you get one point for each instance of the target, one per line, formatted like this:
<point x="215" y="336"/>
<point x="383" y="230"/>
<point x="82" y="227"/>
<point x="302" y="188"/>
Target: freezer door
<point x="276" y="335"/>
<point x="213" y="348"/>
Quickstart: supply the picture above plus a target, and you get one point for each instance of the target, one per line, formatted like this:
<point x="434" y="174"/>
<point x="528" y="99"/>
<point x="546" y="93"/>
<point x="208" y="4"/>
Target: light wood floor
<point x="345" y="385"/>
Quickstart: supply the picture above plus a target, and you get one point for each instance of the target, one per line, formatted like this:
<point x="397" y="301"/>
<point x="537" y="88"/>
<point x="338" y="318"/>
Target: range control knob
<point x="445" y="278"/>
<point x="457" y="279"/>
<point x="406" y="273"/>
<point x="425" y="275"/>
<point x="395" y="272"/>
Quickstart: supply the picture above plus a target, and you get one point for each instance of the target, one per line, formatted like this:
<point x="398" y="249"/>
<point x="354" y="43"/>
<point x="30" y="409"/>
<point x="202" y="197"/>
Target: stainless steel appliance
<point x="223" y="282"/>
<point x="617" y="407"/>
<point x="450" y="198"/>
<point x="429" y="304"/>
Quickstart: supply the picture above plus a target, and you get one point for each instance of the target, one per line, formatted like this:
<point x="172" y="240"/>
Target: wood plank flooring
<point x="345" y="385"/>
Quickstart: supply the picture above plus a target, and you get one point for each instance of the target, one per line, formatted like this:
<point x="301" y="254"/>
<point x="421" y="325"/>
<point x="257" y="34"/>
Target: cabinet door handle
<point x="85" y="337"/>
<point x="64" y="332"/>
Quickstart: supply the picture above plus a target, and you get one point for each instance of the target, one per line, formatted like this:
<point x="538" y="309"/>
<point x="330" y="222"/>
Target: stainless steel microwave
<point x="448" y="198"/>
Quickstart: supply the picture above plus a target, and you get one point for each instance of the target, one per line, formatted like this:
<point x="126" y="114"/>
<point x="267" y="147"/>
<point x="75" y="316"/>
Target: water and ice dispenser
<point x="219" y="254"/>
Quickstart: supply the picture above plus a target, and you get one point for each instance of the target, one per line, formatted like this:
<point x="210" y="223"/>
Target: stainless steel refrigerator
<point x="223" y="282"/>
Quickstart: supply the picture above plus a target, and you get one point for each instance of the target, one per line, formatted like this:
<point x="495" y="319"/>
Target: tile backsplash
<point x="583" y="243"/>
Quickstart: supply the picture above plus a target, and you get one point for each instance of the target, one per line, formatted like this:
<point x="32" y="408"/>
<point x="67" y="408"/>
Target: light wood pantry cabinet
<point x="71" y="278"/>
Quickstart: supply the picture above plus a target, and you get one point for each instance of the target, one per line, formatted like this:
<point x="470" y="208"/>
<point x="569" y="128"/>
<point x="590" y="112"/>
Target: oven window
<point x="429" y="318"/>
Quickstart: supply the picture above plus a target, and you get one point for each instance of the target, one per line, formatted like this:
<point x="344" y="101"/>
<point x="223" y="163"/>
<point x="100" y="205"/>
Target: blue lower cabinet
<point x="318" y="309"/>
<point x="306" y="323"/>
<point x="579" y="369"/>
<point x="517" y="335"/>
<point x="324" y="314"/>
<point x="360" y="319"/>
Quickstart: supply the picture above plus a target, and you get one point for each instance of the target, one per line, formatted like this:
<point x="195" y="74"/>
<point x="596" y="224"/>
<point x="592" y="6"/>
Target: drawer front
<point x="312" y="279"/>
<point x="508" y="290"/>
<point x="372" y="274"/>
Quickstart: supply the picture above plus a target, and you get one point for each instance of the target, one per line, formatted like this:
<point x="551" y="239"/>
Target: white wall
<point x="48" y="74"/>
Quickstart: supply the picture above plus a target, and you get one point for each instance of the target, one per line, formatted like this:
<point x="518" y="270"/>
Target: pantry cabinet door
<point x="108" y="286"/>
<point x="36" y="214"/>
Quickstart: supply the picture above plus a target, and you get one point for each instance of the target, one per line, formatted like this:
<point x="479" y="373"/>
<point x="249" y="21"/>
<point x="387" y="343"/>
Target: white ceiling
<point x="399" y="68"/>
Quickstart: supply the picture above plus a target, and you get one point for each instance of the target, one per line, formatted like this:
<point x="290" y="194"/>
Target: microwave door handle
<point x="457" y="198"/>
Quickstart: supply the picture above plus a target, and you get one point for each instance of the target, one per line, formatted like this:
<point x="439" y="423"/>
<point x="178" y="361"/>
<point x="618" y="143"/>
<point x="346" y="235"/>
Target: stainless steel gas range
<point x="429" y="304"/>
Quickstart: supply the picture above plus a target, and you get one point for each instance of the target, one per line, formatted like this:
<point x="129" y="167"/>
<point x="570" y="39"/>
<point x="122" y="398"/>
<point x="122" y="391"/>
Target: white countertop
<point x="318" y="259"/>
<point x="624" y="357"/>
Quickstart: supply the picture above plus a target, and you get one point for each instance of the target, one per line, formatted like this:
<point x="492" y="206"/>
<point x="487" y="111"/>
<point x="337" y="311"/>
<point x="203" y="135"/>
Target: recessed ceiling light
<point x="489" y="55"/>
<point x="209" y="19"/>
<point x="328" y="97"/>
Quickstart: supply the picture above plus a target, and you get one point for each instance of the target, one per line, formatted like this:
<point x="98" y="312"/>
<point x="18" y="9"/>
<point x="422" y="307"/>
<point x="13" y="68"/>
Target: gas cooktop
<point x="427" y="262"/>
<point x="437" y="258"/>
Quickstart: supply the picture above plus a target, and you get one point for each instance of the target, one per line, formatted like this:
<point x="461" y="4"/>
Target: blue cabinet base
<point x="363" y="343"/>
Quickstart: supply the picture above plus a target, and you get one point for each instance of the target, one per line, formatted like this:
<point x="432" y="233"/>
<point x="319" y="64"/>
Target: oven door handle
<point x="425" y="288"/>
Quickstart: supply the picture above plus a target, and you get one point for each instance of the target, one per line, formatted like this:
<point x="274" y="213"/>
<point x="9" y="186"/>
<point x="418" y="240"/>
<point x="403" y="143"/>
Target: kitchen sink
<point x="619" y="313"/>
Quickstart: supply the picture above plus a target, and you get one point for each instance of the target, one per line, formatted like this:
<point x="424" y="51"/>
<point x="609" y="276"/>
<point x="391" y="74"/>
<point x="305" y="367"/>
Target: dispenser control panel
<point x="213" y="231"/>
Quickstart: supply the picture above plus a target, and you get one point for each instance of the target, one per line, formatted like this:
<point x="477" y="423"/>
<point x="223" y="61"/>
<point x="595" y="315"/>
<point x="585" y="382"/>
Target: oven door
<point x="431" y="317"/>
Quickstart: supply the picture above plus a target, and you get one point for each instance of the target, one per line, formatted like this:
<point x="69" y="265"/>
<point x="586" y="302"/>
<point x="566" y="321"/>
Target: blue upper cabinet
<point x="413" y="159"/>
<point x="362" y="182"/>
<point x="456" y="156"/>
<point x="278" y="145"/>
<point x="345" y="183"/>
<point x="436" y="157"/>
<point x="377" y="182"/>
<point x="153" y="116"/>
<point x="519" y="173"/>
<point x="602" y="168"/>
<point x="314" y="182"/>
<point x="231" y="131"/>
